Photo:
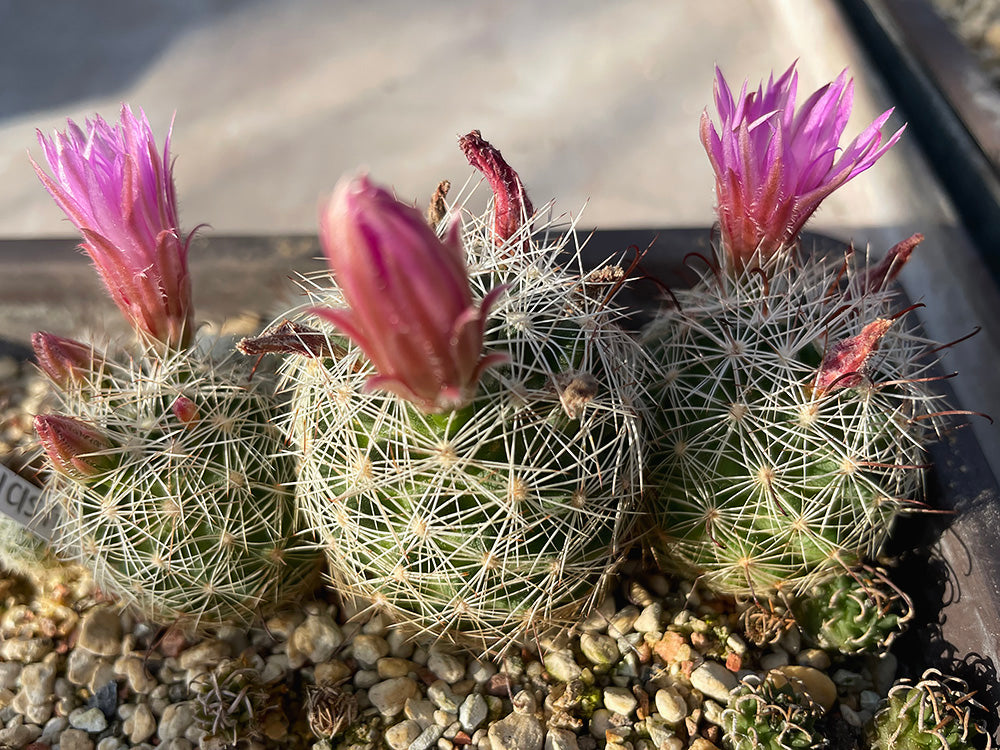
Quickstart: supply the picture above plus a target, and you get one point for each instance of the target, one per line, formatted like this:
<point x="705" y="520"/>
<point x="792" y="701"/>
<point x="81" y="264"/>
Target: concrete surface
<point x="589" y="100"/>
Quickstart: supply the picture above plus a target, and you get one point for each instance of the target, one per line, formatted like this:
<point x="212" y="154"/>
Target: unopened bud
<point x="185" y="410"/>
<point x="64" y="361"/>
<point x="844" y="364"/>
<point x="75" y="448"/>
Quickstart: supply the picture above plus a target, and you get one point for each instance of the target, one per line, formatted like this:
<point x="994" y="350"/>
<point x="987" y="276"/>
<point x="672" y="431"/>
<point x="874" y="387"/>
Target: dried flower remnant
<point x="410" y="306"/>
<point x="774" y="164"/>
<point x="843" y="365"/>
<point x="118" y="190"/>
<point x="511" y="205"/>
<point x="74" y="447"/>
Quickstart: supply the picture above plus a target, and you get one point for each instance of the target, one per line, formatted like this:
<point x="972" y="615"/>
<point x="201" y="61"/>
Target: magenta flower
<point x="410" y="305"/>
<point x="774" y="164"/>
<point x="119" y="192"/>
<point x="74" y="447"/>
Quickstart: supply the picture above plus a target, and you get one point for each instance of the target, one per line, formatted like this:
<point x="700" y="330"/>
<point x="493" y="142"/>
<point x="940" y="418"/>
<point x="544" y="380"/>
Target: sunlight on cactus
<point x="502" y="515"/>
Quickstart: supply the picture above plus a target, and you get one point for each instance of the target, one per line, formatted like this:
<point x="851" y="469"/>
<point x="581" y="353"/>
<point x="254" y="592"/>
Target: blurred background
<point x="273" y="101"/>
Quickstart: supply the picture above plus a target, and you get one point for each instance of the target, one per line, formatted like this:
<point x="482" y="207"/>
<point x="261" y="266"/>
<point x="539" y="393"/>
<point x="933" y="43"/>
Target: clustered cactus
<point x="169" y="477"/>
<point x="466" y="427"/>
<point x="495" y="494"/>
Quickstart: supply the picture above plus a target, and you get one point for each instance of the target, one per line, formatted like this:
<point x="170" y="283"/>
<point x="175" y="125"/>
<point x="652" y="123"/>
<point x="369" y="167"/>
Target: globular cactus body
<point x="505" y="513"/>
<point x="937" y="713"/>
<point x="189" y="514"/>
<point x="765" y="715"/>
<point x="768" y="476"/>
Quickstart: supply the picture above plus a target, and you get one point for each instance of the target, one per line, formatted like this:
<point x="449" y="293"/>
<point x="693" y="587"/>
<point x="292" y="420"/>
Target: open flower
<point x="410" y="304"/>
<point x="118" y="190"/>
<point x="774" y="164"/>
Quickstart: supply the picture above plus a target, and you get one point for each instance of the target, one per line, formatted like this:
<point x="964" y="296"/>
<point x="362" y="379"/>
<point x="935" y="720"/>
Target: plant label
<point x="20" y="500"/>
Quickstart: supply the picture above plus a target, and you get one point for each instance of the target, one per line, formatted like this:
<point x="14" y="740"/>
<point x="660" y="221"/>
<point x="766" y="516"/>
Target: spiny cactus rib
<point x="938" y="713"/>
<point x="505" y="514"/>
<point x="194" y="519"/>
<point x="764" y="482"/>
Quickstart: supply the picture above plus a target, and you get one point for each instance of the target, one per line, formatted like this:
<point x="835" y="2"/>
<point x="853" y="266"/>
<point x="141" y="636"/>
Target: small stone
<point x="25" y="650"/>
<point x="315" y="640"/>
<point x="517" y="732"/>
<point x="622" y="622"/>
<point x="714" y="680"/>
<point x="365" y="678"/>
<point x="391" y="666"/>
<point x="597" y="620"/>
<point x="141" y="725"/>
<point x="791" y="640"/>
<point x="10" y="672"/>
<point x="649" y="619"/>
<point x="817" y="685"/>
<point x="560" y="739"/>
<point x="444" y="718"/>
<point x="19" y="734"/>
<point x="37" y="681"/>
<point x="773" y="660"/>
<point x="620" y="700"/>
<point x="736" y="644"/>
<point x="480" y="671"/>
<point x="53" y="728"/>
<point x="600" y="650"/>
<point x="712" y="712"/>
<point x="600" y="723"/>
<point x="851" y="716"/>
<point x="368" y="649"/>
<point x="448" y="667"/>
<point x="105" y="700"/>
<point x="102" y="675"/>
<point x="562" y="666"/>
<point x="100" y="632"/>
<point x="472" y="712"/>
<point x="177" y="717"/>
<point x="399" y="645"/>
<point x="816" y="658"/>
<point x="91" y="720"/>
<point x="421" y="711"/>
<point x="133" y="668"/>
<point x="441" y="695"/>
<point x="658" y="730"/>
<point x="884" y="674"/>
<point x="671" y="706"/>
<point x="401" y="735"/>
<point x="390" y="696"/>
<point x="702" y="744"/>
<point x="111" y="743"/>
<point x="427" y="738"/>
<point x="328" y="673"/>
<point x="204" y="656"/>
<point x="75" y="739"/>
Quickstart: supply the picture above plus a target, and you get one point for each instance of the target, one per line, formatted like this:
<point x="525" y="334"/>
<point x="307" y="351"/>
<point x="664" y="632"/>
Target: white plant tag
<point x="20" y="500"/>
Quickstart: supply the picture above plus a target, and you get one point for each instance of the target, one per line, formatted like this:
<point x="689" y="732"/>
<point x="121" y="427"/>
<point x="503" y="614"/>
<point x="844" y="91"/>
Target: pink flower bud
<point x="510" y="201"/>
<point x="410" y="305"/>
<point x="883" y="274"/>
<point x="774" y="164"/>
<point x="119" y="192"/>
<point x="844" y="364"/>
<point x="64" y="361"/>
<point x="185" y="410"/>
<point x="75" y="448"/>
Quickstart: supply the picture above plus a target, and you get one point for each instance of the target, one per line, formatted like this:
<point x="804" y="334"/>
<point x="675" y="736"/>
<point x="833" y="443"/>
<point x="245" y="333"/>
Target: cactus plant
<point x="167" y="467"/>
<point x="766" y="715"/>
<point x="791" y="399"/>
<point x="856" y="612"/>
<point x="230" y="702"/>
<point x="935" y="714"/>
<point x="495" y="498"/>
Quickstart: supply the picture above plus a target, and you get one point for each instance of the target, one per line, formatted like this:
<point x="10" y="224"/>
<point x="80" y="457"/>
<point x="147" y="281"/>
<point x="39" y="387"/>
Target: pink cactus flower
<point x="74" y="447"/>
<point x="410" y="304"/>
<point x="774" y="164"/>
<point x="64" y="361"/>
<point x="118" y="190"/>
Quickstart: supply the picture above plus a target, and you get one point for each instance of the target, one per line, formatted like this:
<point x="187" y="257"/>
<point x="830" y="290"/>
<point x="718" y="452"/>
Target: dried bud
<point x="844" y="364"/>
<point x="510" y="201"/>
<point x="879" y="276"/>
<point x="75" y="448"/>
<point x="64" y="361"/>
